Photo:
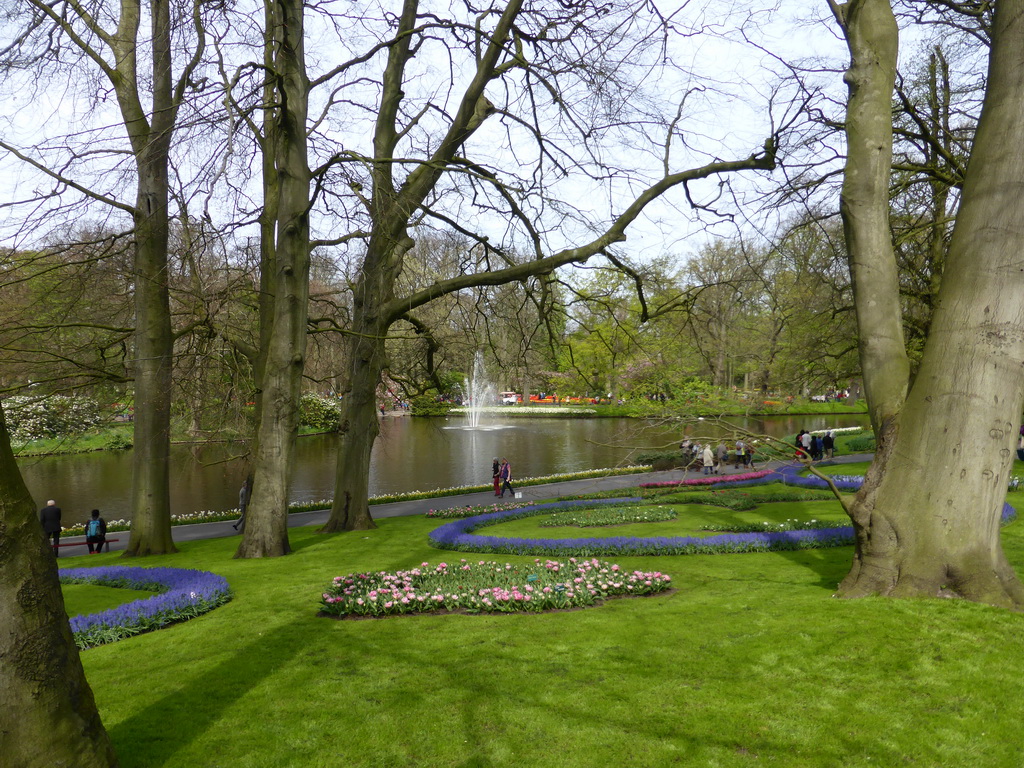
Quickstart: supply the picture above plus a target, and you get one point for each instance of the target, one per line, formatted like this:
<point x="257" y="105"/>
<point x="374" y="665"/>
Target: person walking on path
<point x="722" y="456"/>
<point x="243" y="504"/>
<point x="505" y="475"/>
<point x="495" y="470"/>
<point x="95" y="533"/>
<point x="709" y="459"/>
<point x="49" y="516"/>
<point x="828" y="444"/>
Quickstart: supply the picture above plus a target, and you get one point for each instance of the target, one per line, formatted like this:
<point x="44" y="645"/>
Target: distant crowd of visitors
<point x="713" y="459"/>
<point x="815" y="447"/>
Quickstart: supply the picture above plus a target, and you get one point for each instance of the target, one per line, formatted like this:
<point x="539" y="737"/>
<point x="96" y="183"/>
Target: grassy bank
<point x="749" y="662"/>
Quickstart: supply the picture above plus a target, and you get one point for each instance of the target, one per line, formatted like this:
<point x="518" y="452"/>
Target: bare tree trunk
<point x="266" y="529"/>
<point x="360" y="427"/>
<point x="927" y="518"/>
<point x="151" y="508"/>
<point x="48" y="716"/>
<point x="873" y="39"/>
<point x="154" y="342"/>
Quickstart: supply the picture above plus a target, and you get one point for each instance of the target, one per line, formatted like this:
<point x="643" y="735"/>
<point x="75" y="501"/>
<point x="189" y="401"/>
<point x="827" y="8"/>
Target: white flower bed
<point x="524" y="409"/>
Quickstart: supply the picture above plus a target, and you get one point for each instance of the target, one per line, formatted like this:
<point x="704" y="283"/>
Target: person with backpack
<point x="95" y="533"/>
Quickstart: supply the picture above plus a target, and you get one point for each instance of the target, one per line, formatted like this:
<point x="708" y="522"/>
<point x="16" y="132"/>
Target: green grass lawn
<point x="92" y="598"/>
<point x="750" y="662"/>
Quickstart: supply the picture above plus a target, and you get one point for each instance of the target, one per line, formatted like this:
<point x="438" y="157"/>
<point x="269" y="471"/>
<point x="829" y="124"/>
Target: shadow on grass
<point x="830" y="565"/>
<point x="172" y="722"/>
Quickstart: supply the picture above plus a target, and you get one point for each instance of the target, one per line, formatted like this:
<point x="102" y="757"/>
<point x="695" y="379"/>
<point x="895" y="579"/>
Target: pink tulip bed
<point x="485" y="586"/>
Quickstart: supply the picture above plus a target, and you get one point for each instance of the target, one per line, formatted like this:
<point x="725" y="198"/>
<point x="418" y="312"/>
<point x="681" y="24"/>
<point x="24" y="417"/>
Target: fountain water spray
<point x="481" y="392"/>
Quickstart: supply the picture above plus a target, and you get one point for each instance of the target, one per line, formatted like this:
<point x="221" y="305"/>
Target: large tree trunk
<point x="48" y="716"/>
<point x="154" y="342"/>
<point x="360" y="427"/>
<point x="151" y="510"/>
<point x="266" y="527"/>
<point x="350" y="510"/>
<point x="873" y="39"/>
<point x="927" y="518"/>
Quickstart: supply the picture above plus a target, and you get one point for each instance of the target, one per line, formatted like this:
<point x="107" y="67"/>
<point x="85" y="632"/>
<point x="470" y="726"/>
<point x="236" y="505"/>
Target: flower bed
<point x="605" y="516"/>
<point x="789" y="525"/>
<point x="182" y="594"/>
<point x="790" y="475"/>
<point x="455" y="513"/>
<point x="712" y="480"/>
<point x="486" y="587"/>
<point x="459" y="536"/>
<point x="738" y="501"/>
<point x="838" y="431"/>
<point x="527" y="410"/>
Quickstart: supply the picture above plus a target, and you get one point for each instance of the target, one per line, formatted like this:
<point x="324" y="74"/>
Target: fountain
<point x="480" y="393"/>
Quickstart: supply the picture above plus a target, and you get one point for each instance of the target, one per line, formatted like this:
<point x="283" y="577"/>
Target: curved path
<point x="421" y="506"/>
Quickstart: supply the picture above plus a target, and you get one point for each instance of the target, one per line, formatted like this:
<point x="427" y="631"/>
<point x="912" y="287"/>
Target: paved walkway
<point x="420" y="506"/>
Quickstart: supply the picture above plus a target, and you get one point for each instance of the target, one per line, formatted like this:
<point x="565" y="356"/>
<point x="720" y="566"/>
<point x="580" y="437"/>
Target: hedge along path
<point x="459" y="535"/>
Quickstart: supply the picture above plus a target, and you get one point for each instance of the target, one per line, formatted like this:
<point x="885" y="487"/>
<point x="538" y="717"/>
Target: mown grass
<point x="690" y="518"/>
<point x="91" y="598"/>
<point x="750" y="662"/>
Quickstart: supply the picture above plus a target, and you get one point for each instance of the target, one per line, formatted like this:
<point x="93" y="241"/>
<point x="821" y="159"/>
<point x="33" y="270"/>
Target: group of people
<point x="714" y="459"/>
<point x="502" y="472"/>
<point x="95" y="529"/>
<point x="815" y="447"/>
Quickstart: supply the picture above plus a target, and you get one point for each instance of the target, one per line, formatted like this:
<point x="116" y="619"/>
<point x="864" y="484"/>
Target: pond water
<point x="411" y="454"/>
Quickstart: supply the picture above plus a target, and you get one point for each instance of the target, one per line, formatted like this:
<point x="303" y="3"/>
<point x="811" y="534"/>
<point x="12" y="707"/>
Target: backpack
<point x="93" y="529"/>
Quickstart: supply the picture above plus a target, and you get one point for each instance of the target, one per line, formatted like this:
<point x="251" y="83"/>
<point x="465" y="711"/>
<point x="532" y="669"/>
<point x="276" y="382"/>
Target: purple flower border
<point x="459" y="535"/>
<point x="790" y="475"/>
<point x="182" y="594"/>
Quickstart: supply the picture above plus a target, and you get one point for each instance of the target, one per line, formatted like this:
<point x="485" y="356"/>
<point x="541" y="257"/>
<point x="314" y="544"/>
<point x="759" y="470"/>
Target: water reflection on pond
<point x="411" y="454"/>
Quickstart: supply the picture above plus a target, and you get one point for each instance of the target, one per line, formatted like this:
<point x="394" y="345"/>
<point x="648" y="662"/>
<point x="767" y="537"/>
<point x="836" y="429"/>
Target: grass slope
<point x="750" y="662"/>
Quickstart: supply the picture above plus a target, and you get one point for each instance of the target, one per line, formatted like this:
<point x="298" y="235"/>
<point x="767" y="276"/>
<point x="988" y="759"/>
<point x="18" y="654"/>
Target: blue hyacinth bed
<point x="181" y="594"/>
<point x="460" y="535"/>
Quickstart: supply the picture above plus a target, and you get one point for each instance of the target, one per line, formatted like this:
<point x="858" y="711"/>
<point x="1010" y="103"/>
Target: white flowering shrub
<point x="37" y="418"/>
<point x="320" y="413"/>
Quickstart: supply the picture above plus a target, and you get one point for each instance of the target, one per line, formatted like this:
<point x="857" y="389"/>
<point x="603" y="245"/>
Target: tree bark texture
<point x="927" y="518"/>
<point x="350" y="510"/>
<point x="873" y="39"/>
<point x="48" y="717"/>
<point x="154" y="341"/>
<point x="266" y="528"/>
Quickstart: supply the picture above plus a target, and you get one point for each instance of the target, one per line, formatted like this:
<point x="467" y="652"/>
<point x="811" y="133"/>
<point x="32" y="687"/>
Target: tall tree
<point x="284" y="277"/>
<point x="47" y="708"/>
<point x="528" y="52"/>
<point x="148" y="99"/>
<point x="927" y="517"/>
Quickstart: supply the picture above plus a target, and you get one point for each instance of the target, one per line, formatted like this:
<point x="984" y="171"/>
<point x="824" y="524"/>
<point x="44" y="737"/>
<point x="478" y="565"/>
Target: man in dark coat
<point x="49" y="516"/>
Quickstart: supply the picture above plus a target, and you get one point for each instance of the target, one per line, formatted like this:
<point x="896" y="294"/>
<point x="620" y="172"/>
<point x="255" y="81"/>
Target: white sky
<point x="726" y="117"/>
